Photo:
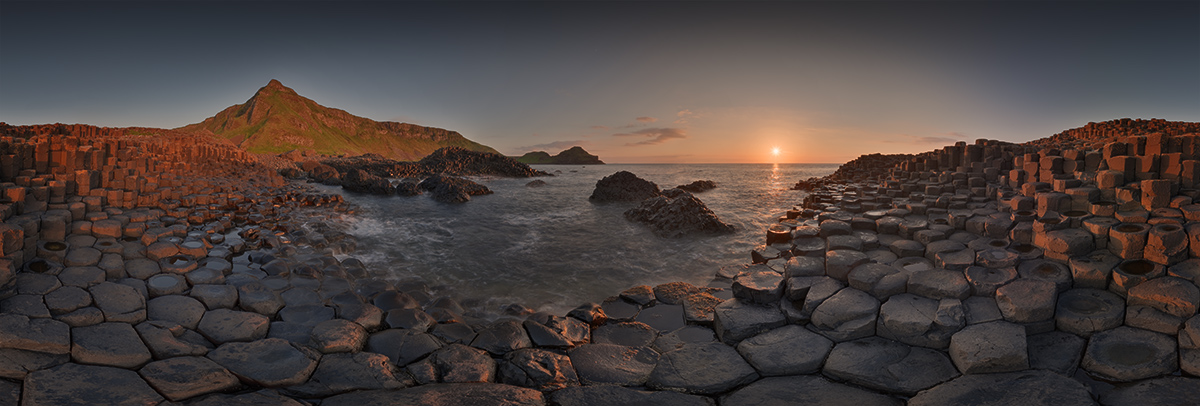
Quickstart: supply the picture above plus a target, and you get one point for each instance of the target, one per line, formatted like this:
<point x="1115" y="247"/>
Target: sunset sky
<point x="629" y="81"/>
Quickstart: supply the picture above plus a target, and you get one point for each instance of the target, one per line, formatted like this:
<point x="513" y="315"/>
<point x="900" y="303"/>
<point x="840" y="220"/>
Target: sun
<point x="775" y="151"/>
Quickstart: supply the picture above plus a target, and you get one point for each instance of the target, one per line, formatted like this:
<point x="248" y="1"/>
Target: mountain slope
<point x="277" y="119"/>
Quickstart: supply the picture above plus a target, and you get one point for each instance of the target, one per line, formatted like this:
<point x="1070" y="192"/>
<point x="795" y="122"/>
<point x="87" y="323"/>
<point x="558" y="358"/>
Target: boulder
<point x="358" y="180"/>
<point x="623" y="186"/>
<point x="449" y="189"/>
<point x="676" y="213"/>
<point x="698" y="186"/>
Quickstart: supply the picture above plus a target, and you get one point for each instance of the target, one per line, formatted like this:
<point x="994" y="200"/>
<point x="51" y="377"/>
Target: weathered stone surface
<point x="704" y="369"/>
<point x="804" y="390"/>
<point x="1055" y="351"/>
<point x="539" y="369"/>
<point x="110" y="344"/>
<point x="258" y="398"/>
<point x="985" y="281"/>
<point x="338" y="335"/>
<point x="758" y="287"/>
<point x="1027" y="300"/>
<point x="119" y="302"/>
<point x="67" y="299"/>
<point x="628" y="334"/>
<point x="74" y="384"/>
<point x="166" y="340"/>
<point x="889" y="366"/>
<point x="735" y="320"/>
<point x="880" y="280"/>
<point x="623" y="186"/>
<point x="788" y="350"/>
<point x="223" y="325"/>
<point x="839" y="263"/>
<point x="41" y="335"/>
<point x="26" y="305"/>
<point x="613" y="364"/>
<point x="1050" y="271"/>
<point x="920" y="321"/>
<point x="978" y="309"/>
<point x="1175" y="296"/>
<point x="1149" y="318"/>
<point x="1034" y="387"/>
<point x="181" y="310"/>
<point x="215" y="296"/>
<point x="270" y="362"/>
<point x="502" y="337"/>
<point x="684" y="336"/>
<point x="1094" y="270"/>
<point x="446" y="394"/>
<point x="402" y="346"/>
<point x="847" y="315"/>
<point x="1085" y="311"/>
<point x="341" y="373"/>
<point x="258" y="298"/>
<point x="1126" y="354"/>
<point x="939" y="284"/>
<point x="605" y="395"/>
<point x="186" y="377"/>
<point x="989" y="348"/>
<point x="1168" y="390"/>
<point x="16" y="364"/>
<point x="457" y="363"/>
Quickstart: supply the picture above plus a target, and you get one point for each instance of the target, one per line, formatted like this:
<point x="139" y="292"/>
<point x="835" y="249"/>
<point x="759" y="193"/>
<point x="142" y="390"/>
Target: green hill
<point x="277" y="119"/>
<point x="574" y="156"/>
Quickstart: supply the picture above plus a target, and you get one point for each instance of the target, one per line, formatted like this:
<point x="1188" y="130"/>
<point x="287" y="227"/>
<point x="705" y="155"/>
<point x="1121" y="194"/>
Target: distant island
<point x="574" y="156"/>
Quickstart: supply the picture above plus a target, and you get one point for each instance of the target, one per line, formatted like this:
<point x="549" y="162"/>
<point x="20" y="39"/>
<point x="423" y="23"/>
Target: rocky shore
<point x="168" y="270"/>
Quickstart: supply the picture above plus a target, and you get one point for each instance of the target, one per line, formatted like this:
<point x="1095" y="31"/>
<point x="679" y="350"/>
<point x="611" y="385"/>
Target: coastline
<point x="932" y="281"/>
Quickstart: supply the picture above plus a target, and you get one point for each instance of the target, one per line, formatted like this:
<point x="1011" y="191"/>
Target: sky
<point x="633" y="82"/>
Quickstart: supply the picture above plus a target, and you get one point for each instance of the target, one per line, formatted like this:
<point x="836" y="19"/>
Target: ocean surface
<point x="549" y="248"/>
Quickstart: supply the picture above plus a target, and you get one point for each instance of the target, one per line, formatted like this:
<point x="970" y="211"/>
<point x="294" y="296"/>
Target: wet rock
<point x="684" y="336"/>
<point x="1035" y="387"/>
<point x="613" y="364"/>
<point x="110" y="344"/>
<point x="632" y="334"/>
<point x="1126" y="354"/>
<point x="788" y="350"/>
<point x="735" y="320"/>
<point x="888" y="366"/>
<point x="414" y="319"/>
<point x="539" y="369"/>
<point x="448" y="189"/>
<point x="459" y="363"/>
<point x="1055" y="351"/>
<point x="222" y="326"/>
<point x="804" y="390"/>
<point x="447" y="394"/>
<point x="623" y="186"/>
<point x="847" y="315"/>
<point x="341" y="373"/>
<point x="402" y="346"/>
<point x="74" y="384"/>
<point x="1086" y="311"/>
<point x="620" y="310"/>
<point x="502" y="337"/>
<point x="186" y="377"/>
<point x="701" y="369"/>
<point x="270" y="362"/>
<point x="41" y="335"/>
<point x="604" y="395"/>
<point x="641" y="295"/>
<point x="677" y="213"/>
<point x="590" y="313"/>
<point x="989" y="348"/>
<point x="541" y="335"/>
<point x="663" y="317"/>
<point x="165" y="340"/>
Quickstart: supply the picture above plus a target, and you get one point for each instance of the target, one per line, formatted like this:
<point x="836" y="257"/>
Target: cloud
<point x="683" y="116"/>
<point x="645" y="119"/>
<point x="551" y="147"/>
<point x="656" y="135"/>
<point x="912" y="139"/>
<point x="599" y="127"/>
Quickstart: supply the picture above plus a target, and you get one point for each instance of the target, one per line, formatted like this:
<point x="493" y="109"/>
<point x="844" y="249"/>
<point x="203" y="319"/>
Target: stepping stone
<point x="16" y="364"/>
<point x="978" y="309"/>
<point x="1174" y="296"/>
<point x="735" y="320"/>
<point x="269" y="362"/>
<point x="669" y="293"/>
<point x="181" y="310"/>
<point x="186" y="377"/>
<point x="628" y="334"/>
<point x="502" y="337"/>
<point x="939" y="284"/>
<point x="341" y="373"/>
<point x="257" y="297"/>
<point x="26" y="305"/>
<point x="880" y="280"/>
<point x="620" y="310"/>
<point x="82" y="256"/>
<point x="996" y="258"/>
<point x="67" y="299"/>
<point x="1056" y="351"/>
<point x="1086" y="311"/>
<point x="1094" y="270"/>
<point x="847" y="315"/>
<point x="788" y="350"/>
<point x="613" y="364"/>
<point x="402" y="346"/>
<point x="338" y="335"/>
<point x="539" y="334"/>
<point x="1027" y="300"/>
<point x="758" y="287"/>
<point x="446" y="394"/>
<point x="166" y="284"/>
<point x="805" y="265"/>
<point x="539" y="369"/>
<point x="86" y="316"/>
<point x="889" y="366"/>
<point x="294" y="332"/>
<point x="985" y="281"/>
<point x="41" y="335"/>
<point x="457" y="363"/>
<point x="222" y="326"/>
<point x="1040" y="269"/>
<point x="699" y="308"/>
<point x="705" y="369"/>
<point x="166" y="340"/>
<point x="308" y="314"/>
<point x="141" y="268"/>
<point x="804" y="390"/>
<point x="36" y="283"/>
<point x="1168" y="390"/>
<point x="1126" y="354"/>
<point x="642" y="294"/>
<point x="1033" y="388"/>
<point x="111" y="344"/>
<point x="839" y="263"/>
<point x="215" y="296"/>
<point x="920" y="321"/>
<point x="74" y="384"/>
<point x="82" y="276"/>
<point x="662" y="317"/>
<point x="684" y="336"/>
<point x="605" y="395"/>
<point x="993" y="347"/>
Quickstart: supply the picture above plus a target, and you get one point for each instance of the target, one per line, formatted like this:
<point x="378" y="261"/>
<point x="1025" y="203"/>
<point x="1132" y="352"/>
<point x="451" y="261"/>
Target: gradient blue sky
<point x="629" y="81"/>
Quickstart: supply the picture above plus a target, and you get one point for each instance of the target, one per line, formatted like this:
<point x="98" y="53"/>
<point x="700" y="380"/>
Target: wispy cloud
<point x="655" y="135"/>
<point x="645" y="119"/>
<point x="599" y="127"/>
<point x="551" y="147"/>
<point x="685" y="115"/>
<point x="950" y="138"/>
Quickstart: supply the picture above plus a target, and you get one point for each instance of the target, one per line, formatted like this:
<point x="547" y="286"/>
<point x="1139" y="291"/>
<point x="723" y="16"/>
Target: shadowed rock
<point x="74" y="384"/>
<point x="446" y="394"/>
<point x="804" y="390"/>
<point x="1037" y="388"/>
<point x="677" y="213"/>
<point x="623" y="186"/>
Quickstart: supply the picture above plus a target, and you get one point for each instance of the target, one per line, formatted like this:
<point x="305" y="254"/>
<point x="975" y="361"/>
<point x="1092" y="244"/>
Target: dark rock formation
<point x="623" y="186"/>
<point x="536" y="183"/>
<point x="360" y="181"/>
<point x="448" y="189"/>
<point x="408" y="188"/>
<point x="460" y="161"/>
<point x="574" y="156"/>
<point x="698" y="186"/>
<point x="322" y="173"/>
<point x="677" y="213"/>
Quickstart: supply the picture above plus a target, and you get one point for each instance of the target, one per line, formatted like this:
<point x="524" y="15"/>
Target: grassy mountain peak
<point x="277" y="119"/>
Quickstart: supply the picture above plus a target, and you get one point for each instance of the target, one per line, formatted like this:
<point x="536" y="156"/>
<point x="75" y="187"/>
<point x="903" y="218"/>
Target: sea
<point x="551" y="249"/>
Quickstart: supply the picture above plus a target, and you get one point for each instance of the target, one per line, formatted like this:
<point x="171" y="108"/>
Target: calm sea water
<point x="551" y="249"/>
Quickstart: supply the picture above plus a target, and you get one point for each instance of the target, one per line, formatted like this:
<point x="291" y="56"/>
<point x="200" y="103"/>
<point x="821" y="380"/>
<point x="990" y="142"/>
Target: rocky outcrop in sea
<point x="623" y="186"/>
<point x="676" y="213"/>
